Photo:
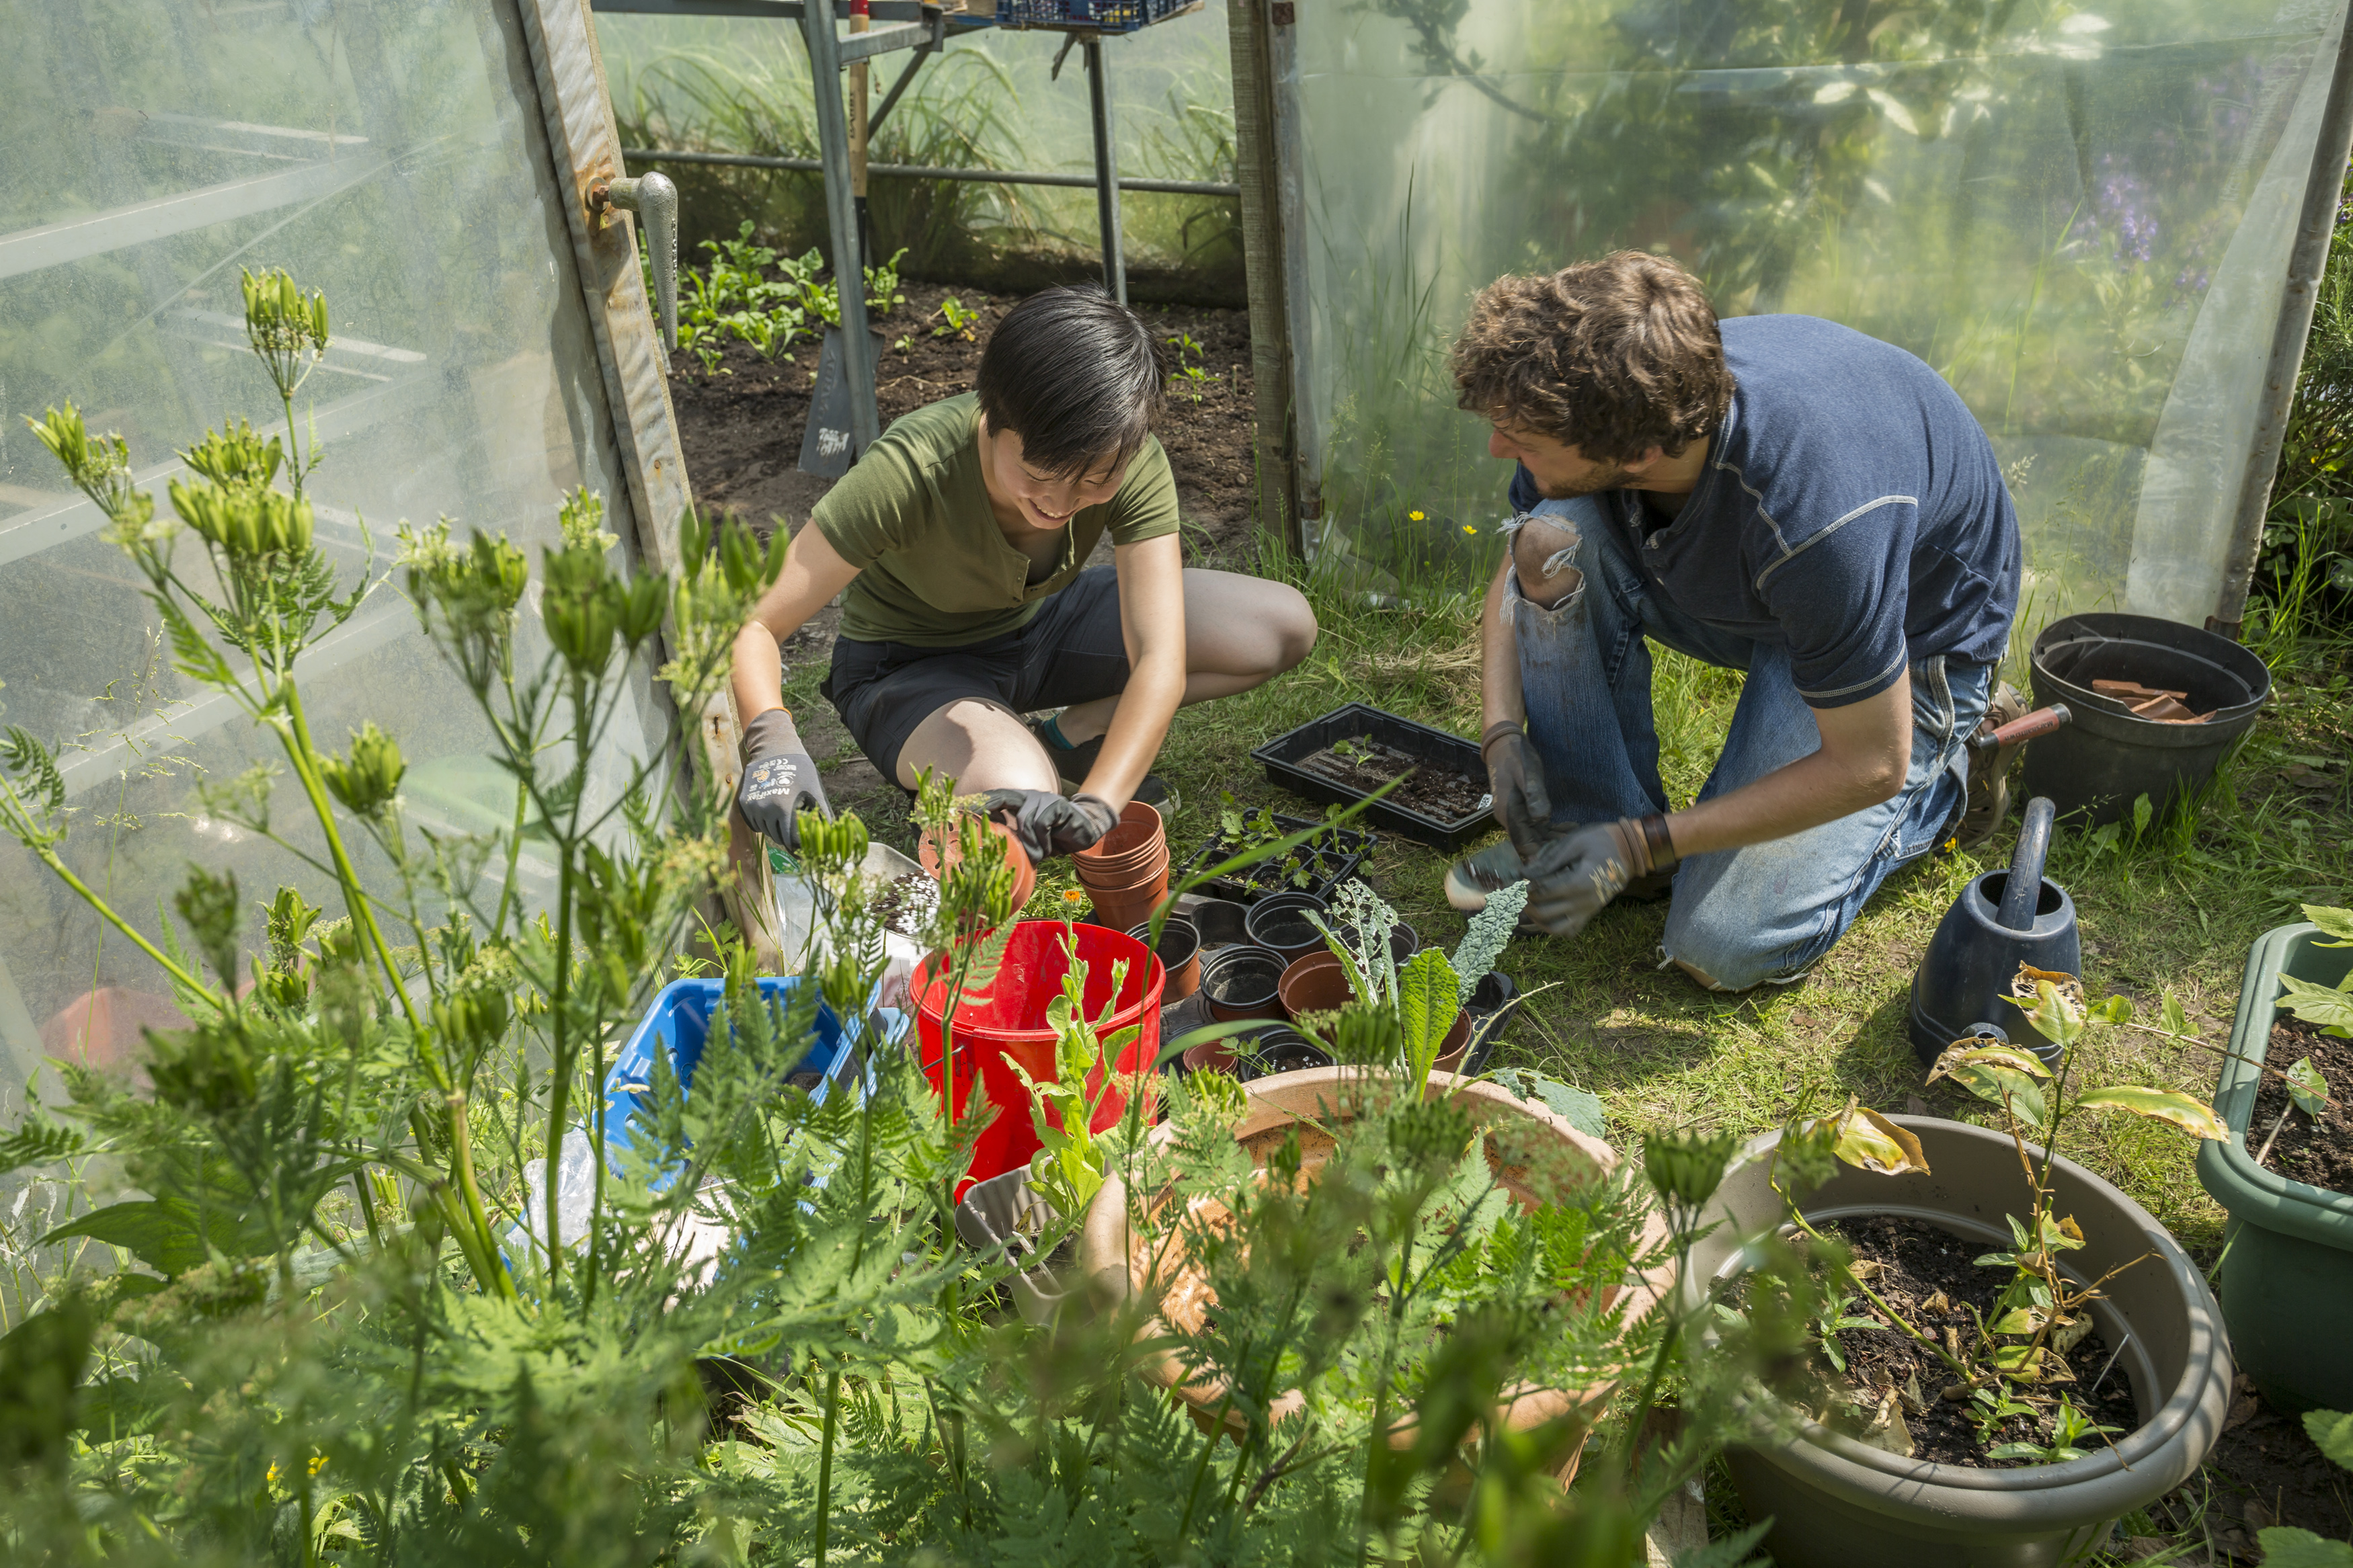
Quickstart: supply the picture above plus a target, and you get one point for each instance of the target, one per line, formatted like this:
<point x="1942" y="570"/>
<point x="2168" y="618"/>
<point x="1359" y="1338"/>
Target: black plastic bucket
<point x="2109" y="756"/>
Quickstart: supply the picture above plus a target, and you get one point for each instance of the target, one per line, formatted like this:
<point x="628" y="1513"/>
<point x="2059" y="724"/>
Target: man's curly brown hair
<point x="1613" y="357"/>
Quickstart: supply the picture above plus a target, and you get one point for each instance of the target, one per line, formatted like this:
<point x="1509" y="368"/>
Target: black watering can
<point x="2002" y="919"/>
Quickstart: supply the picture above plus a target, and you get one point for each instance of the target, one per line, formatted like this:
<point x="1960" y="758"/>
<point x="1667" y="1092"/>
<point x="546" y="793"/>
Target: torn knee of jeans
<point x="1552" y="579"/>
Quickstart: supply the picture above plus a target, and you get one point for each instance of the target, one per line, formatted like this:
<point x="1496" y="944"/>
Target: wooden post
<point x="1276" y="445"/>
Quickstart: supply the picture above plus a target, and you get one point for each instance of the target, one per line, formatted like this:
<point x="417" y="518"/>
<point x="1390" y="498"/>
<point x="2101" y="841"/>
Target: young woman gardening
<point x="958" y="543"/>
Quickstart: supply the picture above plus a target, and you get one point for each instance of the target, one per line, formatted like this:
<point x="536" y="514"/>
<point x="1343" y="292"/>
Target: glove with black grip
<point x="1572" y="878"/>
<point x="1047" y="824"/>
<point x="1515" y="778"/>
<point x="779" y="779"/>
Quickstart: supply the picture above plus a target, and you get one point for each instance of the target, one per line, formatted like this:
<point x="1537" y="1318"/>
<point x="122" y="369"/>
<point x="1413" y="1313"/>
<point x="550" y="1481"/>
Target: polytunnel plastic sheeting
<point x="391" y="152"/>
<point x="2080" y="214"/>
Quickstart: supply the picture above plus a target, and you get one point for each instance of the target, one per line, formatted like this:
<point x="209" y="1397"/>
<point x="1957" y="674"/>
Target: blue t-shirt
<point x="1851" y="510"/>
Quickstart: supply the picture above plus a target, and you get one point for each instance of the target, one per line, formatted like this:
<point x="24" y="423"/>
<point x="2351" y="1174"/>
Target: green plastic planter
<point x="2288" y="1272"/>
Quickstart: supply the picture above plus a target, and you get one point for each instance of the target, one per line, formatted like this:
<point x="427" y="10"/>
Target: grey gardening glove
<point x="1047" y="824"/>
<point x="779" y="779"/>
<point x="1570" y="878"/>
<point x="1515" y="778"/>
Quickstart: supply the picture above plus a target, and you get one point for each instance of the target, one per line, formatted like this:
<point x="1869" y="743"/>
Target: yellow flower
<point x="1074" y="896"/>
<point x="1468" y="529"/>
<point x="1414" y="516"/>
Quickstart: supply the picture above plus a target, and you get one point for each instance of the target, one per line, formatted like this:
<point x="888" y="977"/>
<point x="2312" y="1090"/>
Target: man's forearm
<point x="1499" y="658"/>
<point x="1806" y="793"/>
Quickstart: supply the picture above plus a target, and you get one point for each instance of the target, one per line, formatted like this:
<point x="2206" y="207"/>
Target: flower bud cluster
<point x="586" y="606"/>
<point x="368" y="777"/>
<point x="246" y="523"/>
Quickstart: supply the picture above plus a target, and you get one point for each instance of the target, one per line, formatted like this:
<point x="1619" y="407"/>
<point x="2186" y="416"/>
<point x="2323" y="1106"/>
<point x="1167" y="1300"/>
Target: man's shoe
<point x="1470" y="880"/>
<point x="1072" y="763"/>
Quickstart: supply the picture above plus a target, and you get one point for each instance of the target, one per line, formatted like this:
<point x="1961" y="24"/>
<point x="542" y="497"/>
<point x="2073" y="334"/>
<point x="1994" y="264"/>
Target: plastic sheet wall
<point x="2079" y="215"/>
<point x="390" y="151"/>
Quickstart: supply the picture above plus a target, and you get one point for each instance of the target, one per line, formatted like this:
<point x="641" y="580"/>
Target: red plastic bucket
<point x="1009" y="1020"/>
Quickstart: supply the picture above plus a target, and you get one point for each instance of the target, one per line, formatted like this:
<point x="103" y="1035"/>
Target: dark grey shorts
<point x="1071" y="651"/>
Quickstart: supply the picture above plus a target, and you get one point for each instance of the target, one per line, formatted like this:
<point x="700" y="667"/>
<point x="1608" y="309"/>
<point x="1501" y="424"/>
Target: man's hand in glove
<point x="779" y="779"/>
<point x="1570" y="878"/>
<point x="1515" y="777"/>
<point x="1047" y="824"/>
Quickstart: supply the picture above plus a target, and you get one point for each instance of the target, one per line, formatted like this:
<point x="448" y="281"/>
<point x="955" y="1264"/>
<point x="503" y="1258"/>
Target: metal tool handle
<point x="655" y="200"/>
<point x="2023" y="890"/>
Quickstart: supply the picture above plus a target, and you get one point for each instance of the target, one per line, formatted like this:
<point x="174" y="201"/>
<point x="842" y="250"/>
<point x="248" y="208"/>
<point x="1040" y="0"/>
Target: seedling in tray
<point x="1313" y="867"/>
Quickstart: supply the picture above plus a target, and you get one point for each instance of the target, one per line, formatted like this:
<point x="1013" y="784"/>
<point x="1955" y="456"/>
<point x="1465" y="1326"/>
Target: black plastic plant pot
<point x="1280" y="921"/>
<point x="1284" y="756"/>
<point x="1838" y="1503"/>
<point x="2288" y="1267"/>
<point x="1277" y="1051"/>
<point x="1240" y="982"/>
<point x="2109" y="756"/>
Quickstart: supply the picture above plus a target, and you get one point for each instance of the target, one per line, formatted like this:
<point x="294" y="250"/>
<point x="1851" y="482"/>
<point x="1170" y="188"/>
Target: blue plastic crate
<point x="679" y="1022"/>
<point x="1094" y="15"/>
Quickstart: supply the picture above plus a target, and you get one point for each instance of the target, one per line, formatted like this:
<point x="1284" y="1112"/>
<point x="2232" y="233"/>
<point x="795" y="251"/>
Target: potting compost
<point x="906" y="904"/>
<point x="1929" y="1276"/>
<point x="1443" y="794"/>
<point x="2315" y="1151"/>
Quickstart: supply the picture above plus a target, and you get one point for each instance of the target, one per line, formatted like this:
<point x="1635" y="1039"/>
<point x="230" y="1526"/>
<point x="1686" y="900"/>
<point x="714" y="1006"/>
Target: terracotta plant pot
<point x="1025" y="873"/>
<point x="1117" y="1260"/>
<point x="1180" y="952"/>
<point x="1126" y="874"/>
<point x="1280" y="922"/>
<point x="1317" y="983"/>
<point x="1243" y="982"/>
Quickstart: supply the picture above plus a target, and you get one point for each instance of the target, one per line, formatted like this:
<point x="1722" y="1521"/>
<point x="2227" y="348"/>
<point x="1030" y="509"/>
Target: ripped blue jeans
<point x="1741" y="917"/>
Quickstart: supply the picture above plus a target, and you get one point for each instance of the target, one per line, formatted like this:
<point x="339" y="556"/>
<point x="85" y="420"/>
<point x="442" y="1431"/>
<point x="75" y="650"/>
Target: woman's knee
<point x="1291" y="619"/>
<point x="1246" y="626"/>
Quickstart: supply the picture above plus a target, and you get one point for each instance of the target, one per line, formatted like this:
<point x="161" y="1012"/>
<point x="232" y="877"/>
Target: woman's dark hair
<point x="1072" y="372"/>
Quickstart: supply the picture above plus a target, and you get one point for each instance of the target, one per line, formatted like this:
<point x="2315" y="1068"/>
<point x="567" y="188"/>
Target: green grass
<point x="2174" y="913"/>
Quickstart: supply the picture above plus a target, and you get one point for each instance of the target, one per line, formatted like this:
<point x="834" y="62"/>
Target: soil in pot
<point x="2316" y="1152"/>
<point x="1929" y="1275"/>
<point x="1439" y="793"/>
<point x="907" y="904"/>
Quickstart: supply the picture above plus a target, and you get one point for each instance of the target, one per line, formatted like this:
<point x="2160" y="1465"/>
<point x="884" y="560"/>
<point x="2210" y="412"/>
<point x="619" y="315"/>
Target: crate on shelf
<point x="1090" y="15"/>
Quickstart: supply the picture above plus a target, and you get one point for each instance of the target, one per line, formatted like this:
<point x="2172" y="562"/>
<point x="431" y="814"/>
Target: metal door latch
<point x="655" y="200"/>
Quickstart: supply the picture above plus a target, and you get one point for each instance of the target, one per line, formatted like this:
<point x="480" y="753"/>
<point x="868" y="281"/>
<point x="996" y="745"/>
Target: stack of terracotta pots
<point x="1126" y="874"/>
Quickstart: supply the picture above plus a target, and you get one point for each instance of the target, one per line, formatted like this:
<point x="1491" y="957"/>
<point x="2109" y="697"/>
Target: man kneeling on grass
<point x="1774" y="494"/>
<point x="961" y="538"/>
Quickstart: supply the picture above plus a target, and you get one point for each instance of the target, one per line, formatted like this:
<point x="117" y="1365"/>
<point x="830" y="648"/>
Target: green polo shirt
<point x="934" y="568"/>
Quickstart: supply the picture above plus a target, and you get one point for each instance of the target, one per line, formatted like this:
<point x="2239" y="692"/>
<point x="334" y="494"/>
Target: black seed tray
<point x="1282" y="757"/>
<point x="1338" y="854"/>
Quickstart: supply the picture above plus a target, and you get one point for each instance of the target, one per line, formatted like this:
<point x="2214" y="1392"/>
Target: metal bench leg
<point x="1106" y="171"/>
